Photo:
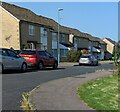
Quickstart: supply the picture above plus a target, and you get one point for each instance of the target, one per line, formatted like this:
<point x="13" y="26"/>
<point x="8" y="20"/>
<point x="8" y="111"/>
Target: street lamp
<point x="58" y="47"/>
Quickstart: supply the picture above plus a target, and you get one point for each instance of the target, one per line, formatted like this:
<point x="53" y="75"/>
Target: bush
<point x="116" y="63"/>
<point x="73" y="56"/>
<point x="25" y="103"/>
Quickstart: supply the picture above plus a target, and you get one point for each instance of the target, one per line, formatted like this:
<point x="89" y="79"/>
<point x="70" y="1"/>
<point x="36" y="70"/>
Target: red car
<point x="39" y="58"/>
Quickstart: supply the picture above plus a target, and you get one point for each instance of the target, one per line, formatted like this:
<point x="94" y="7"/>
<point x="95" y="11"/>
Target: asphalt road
<point x="15" y="83"/>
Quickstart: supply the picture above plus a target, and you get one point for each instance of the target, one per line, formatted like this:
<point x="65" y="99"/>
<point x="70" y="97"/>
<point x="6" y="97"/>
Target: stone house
<point x="111" y="47"/>
<point x="22" y="28"/>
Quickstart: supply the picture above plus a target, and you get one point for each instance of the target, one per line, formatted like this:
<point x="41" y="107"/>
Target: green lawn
<point x="100" y="94"/>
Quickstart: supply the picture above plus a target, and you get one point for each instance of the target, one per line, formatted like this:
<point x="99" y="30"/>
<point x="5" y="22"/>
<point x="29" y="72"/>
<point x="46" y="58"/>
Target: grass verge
<point x="26" y="103"/>
<point x="100" y="94"/>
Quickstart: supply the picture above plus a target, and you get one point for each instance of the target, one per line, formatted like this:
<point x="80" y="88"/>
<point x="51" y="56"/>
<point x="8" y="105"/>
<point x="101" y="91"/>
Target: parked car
<point x="88" y="59"/>
<point x="39" y="58"/>
<point x="10" y="60"/>
<point x="118" y="60"/>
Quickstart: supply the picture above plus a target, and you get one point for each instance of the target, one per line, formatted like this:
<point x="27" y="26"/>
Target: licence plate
<point x="26" y="57"/>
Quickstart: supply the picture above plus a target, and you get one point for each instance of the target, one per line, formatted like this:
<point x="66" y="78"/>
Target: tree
<point x="73" y="56"/>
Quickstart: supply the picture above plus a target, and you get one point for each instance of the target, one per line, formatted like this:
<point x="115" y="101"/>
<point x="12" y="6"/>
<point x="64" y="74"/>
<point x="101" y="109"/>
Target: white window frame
<point x="62" y="38"/>
<point x="54" y="36"/>
<point x="44" y="38"/>
<point x="31" y="30"/>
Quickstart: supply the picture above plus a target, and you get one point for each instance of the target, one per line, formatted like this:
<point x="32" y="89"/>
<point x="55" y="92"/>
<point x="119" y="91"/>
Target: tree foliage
<point x="73" y="56"/>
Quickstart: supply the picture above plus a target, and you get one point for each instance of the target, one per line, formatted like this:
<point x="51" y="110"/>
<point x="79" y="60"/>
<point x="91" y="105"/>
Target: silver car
<point x="88" y="59"/>
<point x="118" y="61"/>
<point x="10" y="60"/>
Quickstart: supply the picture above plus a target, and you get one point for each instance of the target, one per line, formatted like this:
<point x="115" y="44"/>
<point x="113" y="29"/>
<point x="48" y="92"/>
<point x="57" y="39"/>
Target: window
<point x="3" y="52"/>
<point x="28" y="52"/>
<point x="44" y="37"/>
<point x="75" y="43"/>
<point x="54" y="37"/>
<point x="54" y="40"/>
<point x="12" y="54"/>
<point x="41" y="53"/>
<point x="31" y="30"/>
<point x="63" y="52"/>
<point x="62" y="38"/>
<point x="47" y="54"/>
<point x="79" y="40"/>
<point x="43" y="31"/>
<point x="54" y="52"/>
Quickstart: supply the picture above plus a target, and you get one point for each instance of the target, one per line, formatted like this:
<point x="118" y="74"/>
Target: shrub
<point x="73" y="56"/>
<point x="25" y="103"/>
<point x="117" y="65"/>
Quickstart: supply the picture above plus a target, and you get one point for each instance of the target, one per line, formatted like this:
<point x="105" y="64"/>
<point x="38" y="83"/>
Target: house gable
<point x="9" y="13"/>
<point x="10" y="30"/>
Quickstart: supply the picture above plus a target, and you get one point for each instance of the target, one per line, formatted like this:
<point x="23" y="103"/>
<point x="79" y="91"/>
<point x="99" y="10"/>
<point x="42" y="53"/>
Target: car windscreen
<point x="17" y="51"/>
<point x="85" y="56"/>
<point x="27" y="52"/>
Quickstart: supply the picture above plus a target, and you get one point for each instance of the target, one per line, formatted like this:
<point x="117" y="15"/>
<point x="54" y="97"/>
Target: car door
<point x="15" y="61"/>
<point x="50" y="59"/>
<point x="42" y="56"/>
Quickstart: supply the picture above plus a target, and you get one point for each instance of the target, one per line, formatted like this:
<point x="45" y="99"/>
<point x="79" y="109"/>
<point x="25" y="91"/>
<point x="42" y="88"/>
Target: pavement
<point x="14" y="83"/>
<point x="60" y="94"/>
<point x="67" y="64"/>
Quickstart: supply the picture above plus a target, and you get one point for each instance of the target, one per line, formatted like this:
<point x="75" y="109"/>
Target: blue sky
<point x="99" y="19"/>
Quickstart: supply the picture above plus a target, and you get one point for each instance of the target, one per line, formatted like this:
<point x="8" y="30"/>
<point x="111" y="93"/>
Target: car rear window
<point x="28" y="52"/>
<point x="85" y="56"/>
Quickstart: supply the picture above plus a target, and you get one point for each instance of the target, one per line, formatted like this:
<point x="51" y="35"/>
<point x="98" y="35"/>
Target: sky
<point x="99" y="19"/>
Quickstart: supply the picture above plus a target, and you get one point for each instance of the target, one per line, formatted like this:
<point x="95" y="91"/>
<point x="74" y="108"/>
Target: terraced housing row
<point x="22" y="28"/>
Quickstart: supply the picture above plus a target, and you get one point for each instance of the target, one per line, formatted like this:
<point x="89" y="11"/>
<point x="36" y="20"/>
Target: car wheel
<point x="91" y="64"/>
<point x="24" y="67"/>
<point x="40" y="66"/>
<point x="1" y="68"/>
<point x="55" y="65"/>
<point x="97" y="64"/>
<point x="79" y="64"/>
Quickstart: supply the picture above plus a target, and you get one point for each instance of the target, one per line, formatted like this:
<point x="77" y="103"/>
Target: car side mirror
<point x="17" y="56"/>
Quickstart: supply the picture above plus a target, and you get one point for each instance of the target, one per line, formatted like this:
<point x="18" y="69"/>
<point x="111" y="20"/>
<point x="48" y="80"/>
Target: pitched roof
<point x="99" y="40"/>
<point x="110" y="40"/>
<point x="24" y="14"/>
<point x="27" y="15"/>
<point x="93" y="39"/>
<point x="88" y="36"/>
<point x="71" y="30"/>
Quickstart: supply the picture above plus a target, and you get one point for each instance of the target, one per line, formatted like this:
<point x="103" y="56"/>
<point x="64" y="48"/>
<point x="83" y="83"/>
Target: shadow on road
<point x="87" y="65"/>
<point x="30" y="70"/>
